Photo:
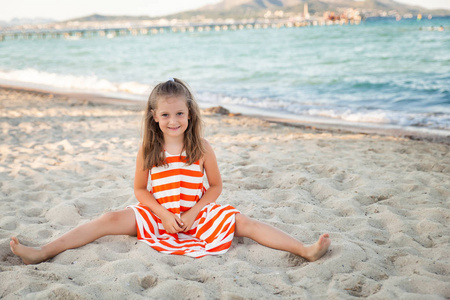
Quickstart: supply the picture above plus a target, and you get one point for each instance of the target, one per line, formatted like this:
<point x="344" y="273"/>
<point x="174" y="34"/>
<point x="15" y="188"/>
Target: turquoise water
<point x="382" y="73"/>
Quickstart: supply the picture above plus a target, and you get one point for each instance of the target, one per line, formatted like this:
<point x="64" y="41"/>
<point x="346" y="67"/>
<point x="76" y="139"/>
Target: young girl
<point x="176" y="214"/>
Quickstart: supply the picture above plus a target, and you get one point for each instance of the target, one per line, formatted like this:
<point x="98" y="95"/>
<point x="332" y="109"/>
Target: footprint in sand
<point x="148" y="282"/>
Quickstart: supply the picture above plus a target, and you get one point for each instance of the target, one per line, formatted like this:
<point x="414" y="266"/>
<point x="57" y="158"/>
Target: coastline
<point x="383" y="199"/>
<point x="325" y="125"/>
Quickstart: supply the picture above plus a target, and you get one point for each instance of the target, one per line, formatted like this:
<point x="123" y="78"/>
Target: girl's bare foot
<point x="317" y="250"/>
<point x="28" y="255"/>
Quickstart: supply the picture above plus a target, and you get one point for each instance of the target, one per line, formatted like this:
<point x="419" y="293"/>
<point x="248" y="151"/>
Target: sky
<point x="67" y="9"/>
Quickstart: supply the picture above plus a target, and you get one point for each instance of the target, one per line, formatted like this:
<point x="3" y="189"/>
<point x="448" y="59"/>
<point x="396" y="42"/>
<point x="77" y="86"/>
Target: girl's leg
<point x="112" y="223"/>
<point x="271" y="237"/>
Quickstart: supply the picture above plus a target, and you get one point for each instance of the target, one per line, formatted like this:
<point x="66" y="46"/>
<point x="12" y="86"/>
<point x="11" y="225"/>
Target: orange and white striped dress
<point x="177" y="187"/>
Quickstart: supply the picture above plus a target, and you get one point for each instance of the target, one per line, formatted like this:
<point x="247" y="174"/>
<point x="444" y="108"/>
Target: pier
<point x="111" y="32"/>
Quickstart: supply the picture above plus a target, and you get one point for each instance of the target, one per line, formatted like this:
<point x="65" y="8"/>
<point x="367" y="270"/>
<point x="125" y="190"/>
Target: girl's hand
<point x="172" y="223"/>
<point x="188" y="219"/>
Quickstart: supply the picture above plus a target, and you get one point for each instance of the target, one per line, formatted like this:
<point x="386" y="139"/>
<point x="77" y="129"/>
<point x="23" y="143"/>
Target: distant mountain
<point x="239" y="9"/>
<point x="251" y="4"/>
<point x="27" y="21"/>
<point x="100" y="18"/>
<point x="256" y="8"/>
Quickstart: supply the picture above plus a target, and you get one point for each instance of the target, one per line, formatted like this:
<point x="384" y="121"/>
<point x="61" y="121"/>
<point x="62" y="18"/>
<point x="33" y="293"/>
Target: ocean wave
<point x="322" y="111"/>
<point x="71" y="82"/>
<point x="309" y="108"/>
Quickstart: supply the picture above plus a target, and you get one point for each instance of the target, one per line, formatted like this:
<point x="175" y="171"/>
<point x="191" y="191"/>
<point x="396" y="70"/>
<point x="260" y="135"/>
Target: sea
<point x="382" y="73"/>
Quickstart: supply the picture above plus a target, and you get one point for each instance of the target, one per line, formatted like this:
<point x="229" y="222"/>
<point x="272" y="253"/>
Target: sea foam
<point x="265" y="106"/>
<point x="72" y="82"/>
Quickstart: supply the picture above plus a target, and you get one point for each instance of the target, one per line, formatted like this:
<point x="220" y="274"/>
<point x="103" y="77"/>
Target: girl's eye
<point x="180" y="113"/>
<point x="164" y="115"/>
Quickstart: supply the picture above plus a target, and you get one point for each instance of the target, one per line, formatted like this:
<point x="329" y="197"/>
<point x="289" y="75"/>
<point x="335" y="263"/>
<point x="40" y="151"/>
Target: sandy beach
<point x="384" y="201"/>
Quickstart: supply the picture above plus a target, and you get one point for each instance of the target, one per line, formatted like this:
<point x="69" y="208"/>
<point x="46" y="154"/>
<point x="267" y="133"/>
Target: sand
<point x="384" y="200"/>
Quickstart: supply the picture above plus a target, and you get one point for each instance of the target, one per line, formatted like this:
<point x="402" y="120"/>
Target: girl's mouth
<point x="174" y="128"/>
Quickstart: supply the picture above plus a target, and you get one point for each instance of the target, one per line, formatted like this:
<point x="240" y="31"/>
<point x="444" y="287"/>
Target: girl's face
<point x="172" y="115"/>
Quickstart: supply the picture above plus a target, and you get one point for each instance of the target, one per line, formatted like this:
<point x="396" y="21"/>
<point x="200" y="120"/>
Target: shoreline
<point x="329" y="126"/>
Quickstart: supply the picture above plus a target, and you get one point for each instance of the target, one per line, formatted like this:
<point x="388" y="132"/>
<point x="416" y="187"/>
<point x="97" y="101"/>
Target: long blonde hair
<point x="153" y="138"/>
